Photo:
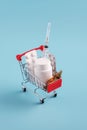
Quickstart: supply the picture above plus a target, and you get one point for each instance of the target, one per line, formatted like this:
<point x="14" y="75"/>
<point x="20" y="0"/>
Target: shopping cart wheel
<point x="55" y="95"/>
<point x="41" y="101"/>
<point x="24" y="89"/>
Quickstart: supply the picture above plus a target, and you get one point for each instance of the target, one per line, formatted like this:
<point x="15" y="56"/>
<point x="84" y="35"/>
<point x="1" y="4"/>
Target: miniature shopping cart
<point x="29" y="76"/>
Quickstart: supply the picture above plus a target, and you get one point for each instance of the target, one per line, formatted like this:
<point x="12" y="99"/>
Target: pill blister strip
<point x="53" y="63"/>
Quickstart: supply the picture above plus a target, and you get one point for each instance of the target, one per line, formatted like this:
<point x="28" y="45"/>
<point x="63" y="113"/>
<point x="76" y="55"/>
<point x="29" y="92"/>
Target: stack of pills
<point x="31" y="58"/>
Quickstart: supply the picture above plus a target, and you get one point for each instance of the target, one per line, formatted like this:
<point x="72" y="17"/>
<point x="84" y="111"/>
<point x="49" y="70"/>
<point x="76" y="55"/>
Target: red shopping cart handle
<point x="19" y="56"/>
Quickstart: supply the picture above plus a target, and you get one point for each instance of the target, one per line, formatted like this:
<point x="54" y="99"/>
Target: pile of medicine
<point x="40" y="67"/>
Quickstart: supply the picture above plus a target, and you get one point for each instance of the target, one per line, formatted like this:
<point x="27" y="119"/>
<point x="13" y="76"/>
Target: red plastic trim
<point x="19" y="56"/>
<point x="54" y="85"/>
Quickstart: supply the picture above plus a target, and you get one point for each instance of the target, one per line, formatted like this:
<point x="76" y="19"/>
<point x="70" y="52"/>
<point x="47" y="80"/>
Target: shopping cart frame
<point x="29" y="77"/>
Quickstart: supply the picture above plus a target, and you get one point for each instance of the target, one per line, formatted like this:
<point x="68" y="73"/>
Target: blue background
<point x="22" y="27"/>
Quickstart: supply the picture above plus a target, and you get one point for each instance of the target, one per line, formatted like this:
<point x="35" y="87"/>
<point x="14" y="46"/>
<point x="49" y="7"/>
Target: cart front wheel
<point x="24" y="89"/>
<point x="41" y="101"/>
<point x="55" y="95"/>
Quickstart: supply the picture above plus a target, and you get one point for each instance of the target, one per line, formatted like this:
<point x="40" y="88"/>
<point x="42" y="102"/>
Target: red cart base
<point x="54" y="85"/>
